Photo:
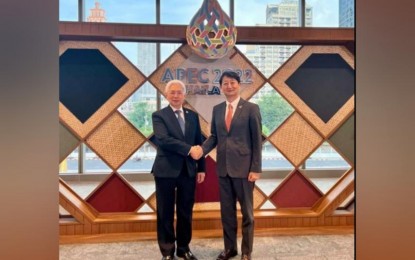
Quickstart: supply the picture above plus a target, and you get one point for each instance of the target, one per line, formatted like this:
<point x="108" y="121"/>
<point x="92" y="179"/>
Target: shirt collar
<point x="174" y="109"/>
<point x="233" y="103"/>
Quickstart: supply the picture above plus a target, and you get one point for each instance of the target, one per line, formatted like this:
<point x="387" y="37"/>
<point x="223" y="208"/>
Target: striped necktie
<point x="180" y="119"/>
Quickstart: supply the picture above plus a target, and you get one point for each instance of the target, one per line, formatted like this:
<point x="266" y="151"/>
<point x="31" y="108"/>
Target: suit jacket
<point x="172" y="146"/>
<point x="239" y="151"/>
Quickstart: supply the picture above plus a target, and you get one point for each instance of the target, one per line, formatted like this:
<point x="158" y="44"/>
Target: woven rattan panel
<point x="296" y="139"/>
<point x="115" y="140"/>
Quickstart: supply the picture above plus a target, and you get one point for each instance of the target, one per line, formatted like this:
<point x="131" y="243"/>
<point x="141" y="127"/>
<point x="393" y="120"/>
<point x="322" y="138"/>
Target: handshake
<point x="196" y="152"/>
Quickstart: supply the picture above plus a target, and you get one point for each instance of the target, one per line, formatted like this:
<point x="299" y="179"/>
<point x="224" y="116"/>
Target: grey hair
<point x="175" y="82"/>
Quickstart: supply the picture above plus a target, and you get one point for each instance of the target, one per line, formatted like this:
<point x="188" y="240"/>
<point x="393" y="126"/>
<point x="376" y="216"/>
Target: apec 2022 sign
<point x="201" y="77"/>
<point x="204" y="81"/>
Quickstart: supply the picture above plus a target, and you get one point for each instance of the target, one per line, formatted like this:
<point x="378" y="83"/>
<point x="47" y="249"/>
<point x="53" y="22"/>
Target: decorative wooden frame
<point x="206" y="216"/>
<point x="135" y="79"/>
<point x="324" y="213"/>
<point x="278" y="79"/>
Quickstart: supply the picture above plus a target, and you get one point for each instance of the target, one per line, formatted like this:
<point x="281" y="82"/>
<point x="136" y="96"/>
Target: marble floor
<point x="280" y="247"/>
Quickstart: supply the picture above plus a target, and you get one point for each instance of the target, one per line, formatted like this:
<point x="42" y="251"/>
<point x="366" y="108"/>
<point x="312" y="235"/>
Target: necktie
<point x="180" y="119"/>
<point x="229" y="117"/>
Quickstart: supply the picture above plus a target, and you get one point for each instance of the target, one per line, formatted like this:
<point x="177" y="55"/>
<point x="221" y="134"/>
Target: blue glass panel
<point x="87" y="79"/>
<point x="324" y="82"/>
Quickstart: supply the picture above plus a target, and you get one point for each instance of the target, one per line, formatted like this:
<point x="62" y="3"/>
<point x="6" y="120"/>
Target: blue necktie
<point x="180" y="119"/>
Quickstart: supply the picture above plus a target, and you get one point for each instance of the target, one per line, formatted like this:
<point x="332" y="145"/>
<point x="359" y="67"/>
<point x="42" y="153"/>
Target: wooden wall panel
<point x="95" y="229"/>
<point x="87" y="228"/>
<point x="70" y="230"/>
<point x="199" y="224"/>
<point x="79" y="229"/>
<point x="175" y="33"/>
<point x="323" y="214"/>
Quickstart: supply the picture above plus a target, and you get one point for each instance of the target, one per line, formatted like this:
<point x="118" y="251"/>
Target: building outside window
<point x="266" y="58"/>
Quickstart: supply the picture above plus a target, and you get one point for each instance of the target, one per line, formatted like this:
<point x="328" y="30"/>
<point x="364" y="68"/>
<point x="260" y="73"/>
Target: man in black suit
<point x="177" y="131"/>
<point x="236" y="132"/>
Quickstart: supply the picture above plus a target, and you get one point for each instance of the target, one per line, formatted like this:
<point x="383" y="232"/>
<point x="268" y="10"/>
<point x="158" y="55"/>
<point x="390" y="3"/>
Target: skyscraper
<point x="146" y="62"/>
<point x="286" y="13"/>
<point x="346" y="13"/>
<point x="268" y="58"/>
<point x="97" y="14"/>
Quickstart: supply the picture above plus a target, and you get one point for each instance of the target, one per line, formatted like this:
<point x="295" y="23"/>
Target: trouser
<point x="180" y="190"/>
<point x="231" y="190"/>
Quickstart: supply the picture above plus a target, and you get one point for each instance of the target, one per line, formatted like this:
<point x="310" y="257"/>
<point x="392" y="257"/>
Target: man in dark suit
<point x="236" y="132"/>
<point x="177" y="131"/>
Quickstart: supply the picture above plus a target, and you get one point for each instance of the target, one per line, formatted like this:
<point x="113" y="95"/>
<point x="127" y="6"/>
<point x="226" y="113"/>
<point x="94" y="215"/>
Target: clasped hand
<point x="196" y="152"/>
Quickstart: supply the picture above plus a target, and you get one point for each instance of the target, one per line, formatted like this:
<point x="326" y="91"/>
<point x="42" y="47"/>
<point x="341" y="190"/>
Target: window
<point x="68" y="10"/>
<point x="257" y="13"/>
<point x="182" y="11"/>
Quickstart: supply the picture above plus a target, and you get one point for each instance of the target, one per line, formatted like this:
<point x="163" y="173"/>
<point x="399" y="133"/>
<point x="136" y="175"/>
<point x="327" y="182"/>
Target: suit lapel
<point x="237" y="112"/>
<point x="238" y="109"/>
<point x="173" y="120"/>
<point x="221" y="116"/>
<point x="186" y="120"/>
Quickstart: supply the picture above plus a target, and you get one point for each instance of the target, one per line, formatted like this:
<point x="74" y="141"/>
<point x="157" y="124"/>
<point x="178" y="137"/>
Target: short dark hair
<point x="230" y="74"/>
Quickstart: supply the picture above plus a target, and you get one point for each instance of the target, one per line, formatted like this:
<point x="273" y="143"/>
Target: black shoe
<point x="187" y="255"/>
<point x="168" y="258"/>
<point x="245" y="257"/>
<point x="226" y="254"/>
